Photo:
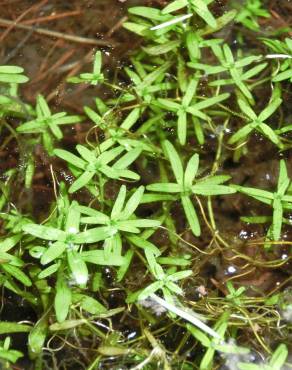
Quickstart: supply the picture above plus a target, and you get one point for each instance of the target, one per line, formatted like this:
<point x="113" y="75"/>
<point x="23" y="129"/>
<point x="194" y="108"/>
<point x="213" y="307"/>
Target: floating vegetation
<point x="164" y="240"/>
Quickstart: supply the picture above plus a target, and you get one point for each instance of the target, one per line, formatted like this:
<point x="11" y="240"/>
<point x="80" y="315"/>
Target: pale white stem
<point x="278" y="56"/>
<point x="171" y="22"/>
<point x="185" y="315"/>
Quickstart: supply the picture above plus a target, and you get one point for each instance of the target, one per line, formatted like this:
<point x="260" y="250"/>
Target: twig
<point x="14" y="23"/>
<point x="52" y="17"/>
<point x="64" y="36"/>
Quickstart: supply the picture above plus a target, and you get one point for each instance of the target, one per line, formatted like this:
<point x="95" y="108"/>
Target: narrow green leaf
<point x="44" y="232"/>
<point x="191" y="215"/>
<point x="174" y="5"/>
<point x="7" y="327"/>
<point x="191" y="170"/>
<point x="270" y="109"/>
<point x="175" y="161"/>
<point x="92" y="235"/>
<point x="98" y="257"/>
<point x="182" y="127"/>
<point x="15" y="272"/>
<point x="54" y="251"/>
<point x="63" y="298"/>
<point x="70" y="158"/>
<point x="89" y="304"/>
<point x="81" y="181"/>
<point x="165" y="187"/>
<point x="132" y="203"/>
<point x="77" y="266"/>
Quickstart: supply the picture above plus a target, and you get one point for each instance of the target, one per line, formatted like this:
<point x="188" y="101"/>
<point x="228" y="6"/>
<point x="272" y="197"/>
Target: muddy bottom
<point x="48" y="60"/>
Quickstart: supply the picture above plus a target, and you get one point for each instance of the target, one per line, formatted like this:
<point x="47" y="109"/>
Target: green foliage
<point x="186" y="184"/>
<point x="257" y="122"/>
<point x="197" y="6"/>
<point x="249" y="12"/>
<point x="7" y="354"/>
<point x="92" y="78"/>
<point x="215" y="344"/>
<point x="101" y="246"/>
<point x="93" y="162"/>
<point x="47" y="124"/>
<point x="279" y="200"/>
<point x="12" y="75"/>
<point x="234" y="67"/>
<point x="283" y="50"/>
<point x="276" y="362"/>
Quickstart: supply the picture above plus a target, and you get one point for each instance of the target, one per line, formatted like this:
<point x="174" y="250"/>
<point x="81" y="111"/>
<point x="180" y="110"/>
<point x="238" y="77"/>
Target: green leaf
<point x="125" y="267"/>
<point x="191" y="89"/>
<point x="199" y="335"/>
<point x="17" y="274"/>
<point x="253" y="192"/>
<point x="279" y="357"/>
<point x="119" y="202"/>
<point x="241" y="134"/>
<point x="70" y="158"/>
<point x="285" y="75"/>
<point x="49" y="271"/>
<point x="98" y="257"/>
<point x="165" y="187"/>
<point x="191" y="215"/>
<point x="132" y="203"/>
<point x="150" y="198"/>
<point x="148" y="12"/>
<point x="131" y="119"/>
<point x="277" y="219"/>
<point x="141" y="222"/>
<point x="191" y="170"/>
<point x="270" y="109"/>
<point x="44" y="232"/>
<point x="89" y="304"/>
<point x="10" y="355"/>
<point x="283" y="179"/>
<point x="210" y="189"/>
<point x="72" y="219"/>
<point x="78" y="267"/>
<point x="37" y="337"/>
<point x="175" y="5"/>
<point x="144" y="244"/>
<point x="127" y="159"/>
<point x="182" y="127"/>
<point x="11" y="69"/>
<point x="175" y="161"/>
<point x="207" y="359"/>
<point x="66" y="325"/>
<point x="152" y="288"/>
<point x="202" y="10"/>
<point x="13" y="78"/>
<point x="163" y="48"/>
<point x="82" y="181"/>
<point x="269" y="133"/>
<point x="179" y="275"/>
<point x="211" y="101"/>
<point x="93" y="235"/>
<point x="54" y="251"/>
<point x="97" y="63"/>
<point x="7" y="327"/>
<point x="231" y="349"/>
<point x="63" y="299"/>
<point x="246" y="109"/>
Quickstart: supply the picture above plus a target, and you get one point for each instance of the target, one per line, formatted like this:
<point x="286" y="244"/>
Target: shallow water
<point x="48" y="62"/>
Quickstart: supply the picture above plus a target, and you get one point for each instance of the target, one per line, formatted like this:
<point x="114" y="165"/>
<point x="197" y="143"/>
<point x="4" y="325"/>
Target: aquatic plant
<point x="140" y="201"/>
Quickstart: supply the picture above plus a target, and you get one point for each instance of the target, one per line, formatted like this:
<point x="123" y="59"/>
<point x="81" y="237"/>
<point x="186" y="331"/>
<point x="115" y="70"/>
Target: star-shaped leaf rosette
<point x="187" y="185"/>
